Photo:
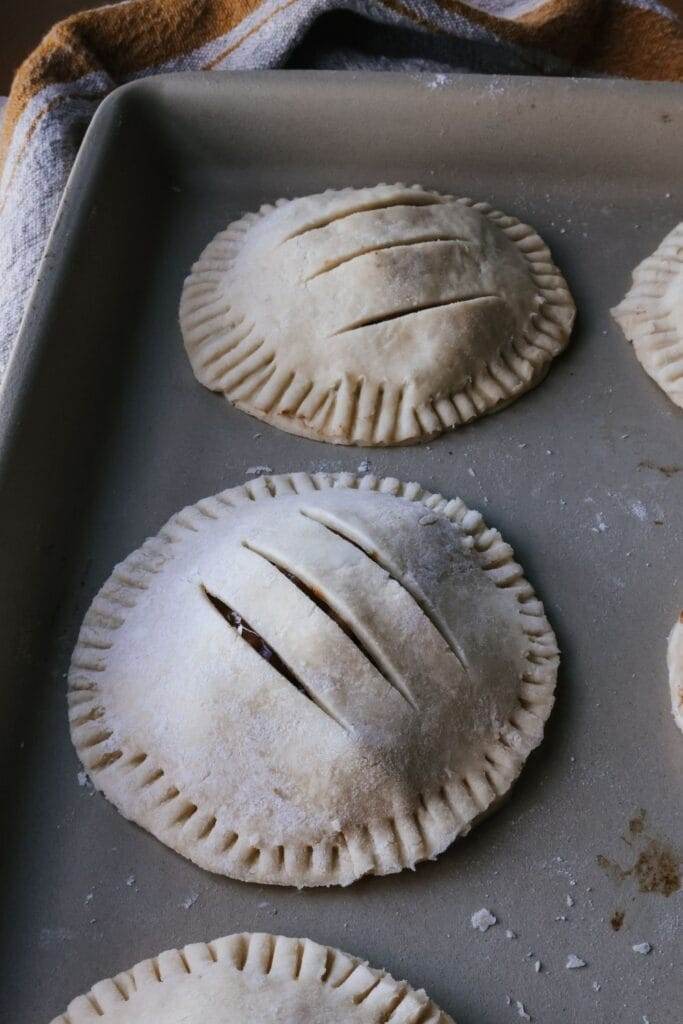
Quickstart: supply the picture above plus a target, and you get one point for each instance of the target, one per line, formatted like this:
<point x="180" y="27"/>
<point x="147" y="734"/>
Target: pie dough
<point x="253" y="979"/>
<point x="308" y="679"/>
<point x="651" y="315"/>
<point x="675" y="663"/>
<point x="374" y="316"/>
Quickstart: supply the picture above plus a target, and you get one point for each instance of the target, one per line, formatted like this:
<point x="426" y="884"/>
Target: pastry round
<point x="253" y="979"/>
<point x="374" y="316"/>
<point x="651" y="315"/>
<point x="308" y="679"/>
<point x="675" y="663"/>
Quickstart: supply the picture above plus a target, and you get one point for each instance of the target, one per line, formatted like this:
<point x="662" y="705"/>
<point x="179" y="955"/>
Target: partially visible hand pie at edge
<point x="253" y="979"/>
<point x="374" y="316"/>
<point x="308" y="679"/>
<point x="675" y="665"/>
<point x="651" y="315"/>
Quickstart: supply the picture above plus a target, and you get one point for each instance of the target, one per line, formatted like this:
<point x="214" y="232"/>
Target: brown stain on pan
<point x="667" y="471"/>
<point x="656" y="868"/>
<point x="616" y="920"/>
<point x="636" y="824"/>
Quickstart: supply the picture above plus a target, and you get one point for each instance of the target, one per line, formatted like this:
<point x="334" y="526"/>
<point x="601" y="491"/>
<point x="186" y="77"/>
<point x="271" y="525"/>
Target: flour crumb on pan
<point x="574" y="962"/>
<point x="483" y="919"/>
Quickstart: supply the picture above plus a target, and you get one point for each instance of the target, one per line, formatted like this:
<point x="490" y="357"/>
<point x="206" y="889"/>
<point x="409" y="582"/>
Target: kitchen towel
<point x="59" y="87"/>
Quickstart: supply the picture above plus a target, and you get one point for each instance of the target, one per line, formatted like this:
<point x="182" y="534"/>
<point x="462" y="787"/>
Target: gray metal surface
<point x="104" y="433"/>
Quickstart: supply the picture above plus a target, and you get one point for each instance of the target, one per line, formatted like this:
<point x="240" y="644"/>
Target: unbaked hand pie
<point x="651" y="315"/>
<point x="308" y="679"/>
<point x="675" y="664"/>
<point x="374" y="316"/>
<point x="253" y="979"/>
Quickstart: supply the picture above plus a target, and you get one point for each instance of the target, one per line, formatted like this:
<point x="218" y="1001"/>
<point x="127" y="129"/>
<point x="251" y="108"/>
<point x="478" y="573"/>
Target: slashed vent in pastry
<point x="374" y="316"/>
<point x="308" y="679"/>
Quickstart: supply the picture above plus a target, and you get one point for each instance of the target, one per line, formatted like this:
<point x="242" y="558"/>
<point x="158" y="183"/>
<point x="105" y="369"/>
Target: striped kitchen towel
<point x="58" y="89"/>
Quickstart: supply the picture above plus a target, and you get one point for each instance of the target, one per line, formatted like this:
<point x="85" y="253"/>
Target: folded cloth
<point x="58" y="89"/>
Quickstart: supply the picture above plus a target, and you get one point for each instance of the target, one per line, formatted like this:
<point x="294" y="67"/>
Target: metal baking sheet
<point x="105" y="434"/>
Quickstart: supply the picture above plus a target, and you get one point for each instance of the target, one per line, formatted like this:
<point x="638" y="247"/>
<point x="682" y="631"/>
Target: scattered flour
<point x="642" y="947"/>
<point x="574" y="962"/>
<point x="255" y="470"/>
<point x="50" y="937"/>
<point x="638" y="510"/>
<point x="601" y="524"/>
<point x="190" y="900"/>
<point x="483" y="919"/>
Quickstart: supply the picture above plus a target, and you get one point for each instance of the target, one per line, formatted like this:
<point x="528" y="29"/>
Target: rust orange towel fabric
<point x="59" y="87"/>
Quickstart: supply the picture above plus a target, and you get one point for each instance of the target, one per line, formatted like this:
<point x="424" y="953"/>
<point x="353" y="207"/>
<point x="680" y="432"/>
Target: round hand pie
<point x="308" y="679"/>
<point x="253" y="979"/>
<point x="675" y="664"/>
<point x="651" y="315"/>
<point x="374" y="316"/>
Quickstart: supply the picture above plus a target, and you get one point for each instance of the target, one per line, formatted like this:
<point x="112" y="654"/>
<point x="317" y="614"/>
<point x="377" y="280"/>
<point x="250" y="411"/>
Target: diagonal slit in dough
<point x="265" y="651"/>
<point x="372" y="321"/>
<point x="394" y="573"/>
<point x="336" y="616"/>
<point x="371" y="205"/>
<point x="431" y="236"/>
